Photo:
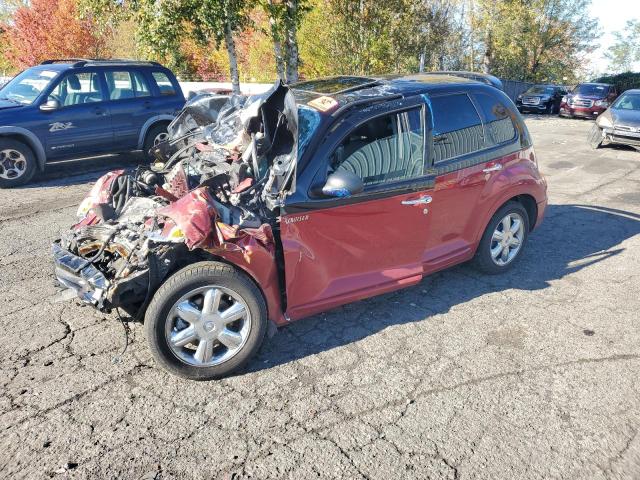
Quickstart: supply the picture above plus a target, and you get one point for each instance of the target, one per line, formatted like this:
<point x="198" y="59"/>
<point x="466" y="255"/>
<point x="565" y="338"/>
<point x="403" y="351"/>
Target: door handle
<point x="495" y="168"/>
<point x="98" y="111"/>
<point x="418" y="201"/>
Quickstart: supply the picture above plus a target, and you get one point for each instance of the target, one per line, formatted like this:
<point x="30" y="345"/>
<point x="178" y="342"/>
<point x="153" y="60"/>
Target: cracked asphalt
<point x="533" y="374"/>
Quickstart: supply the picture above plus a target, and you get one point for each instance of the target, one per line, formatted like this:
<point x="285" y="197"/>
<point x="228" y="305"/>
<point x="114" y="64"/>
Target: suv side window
<point x="126" y="84"/>
<point x="78" y="88"/>
<point x="384" y="149"/>
<point x="457" y="128"/>
<point x="164" y="84"/>
<point x="498" y="123"/>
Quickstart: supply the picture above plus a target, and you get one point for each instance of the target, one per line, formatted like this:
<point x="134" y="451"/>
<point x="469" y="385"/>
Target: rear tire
<point x="155" y="135"/>
<point x="180" y="304"/>
<point x="17" y="163"/>
<point x="486" y="259"/>
<point x="595" y="137"/>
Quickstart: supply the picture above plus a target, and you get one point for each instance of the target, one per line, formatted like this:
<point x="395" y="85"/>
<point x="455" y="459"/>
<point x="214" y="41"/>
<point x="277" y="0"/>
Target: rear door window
<point x="164" y="84"/>
<point x="126" y="84"/>
<point x="385" y="149"/>
<point x="457" y="128"/>
<point x="498" y="123"/>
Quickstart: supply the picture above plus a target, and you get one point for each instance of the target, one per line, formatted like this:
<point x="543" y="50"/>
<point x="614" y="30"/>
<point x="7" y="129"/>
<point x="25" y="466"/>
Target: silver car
<point x="620" y="123"/>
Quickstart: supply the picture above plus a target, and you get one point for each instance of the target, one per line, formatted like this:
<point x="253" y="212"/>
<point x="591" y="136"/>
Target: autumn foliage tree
<point x="50" y="29"/>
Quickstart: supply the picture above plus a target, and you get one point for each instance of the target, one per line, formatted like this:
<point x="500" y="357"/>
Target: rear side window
<point x="499" y="125"/>
<point x="457" y="128"/>
<point x="126" y="84"/>
<point x="164" y="84"/>
<point x="385" y="149"/>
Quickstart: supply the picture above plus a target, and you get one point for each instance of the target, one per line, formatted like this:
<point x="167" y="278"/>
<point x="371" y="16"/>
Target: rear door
<point x="473" y="139"/>
<point x="82" y="124"/>
<point x="338" y="250"/>
<point x="130" y="103"/>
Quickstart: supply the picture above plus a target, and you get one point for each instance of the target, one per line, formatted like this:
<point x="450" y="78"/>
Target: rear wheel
<point x="206" y="321"/>
<point x="503" y="240"/>
<point x="17" y="163"/>
<point x="155" y="135"/>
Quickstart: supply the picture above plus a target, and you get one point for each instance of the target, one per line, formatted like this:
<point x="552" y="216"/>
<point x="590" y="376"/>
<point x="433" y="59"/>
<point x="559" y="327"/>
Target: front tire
<point x="595" y="137"/>
<point x="17" y="163"/>
<point x="206" y="321"/>
<point x="503" y="240"/>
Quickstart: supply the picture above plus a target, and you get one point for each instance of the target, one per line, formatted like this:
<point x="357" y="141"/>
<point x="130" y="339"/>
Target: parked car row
<point x="72" y="108"/>
<point x="586" y="100"/>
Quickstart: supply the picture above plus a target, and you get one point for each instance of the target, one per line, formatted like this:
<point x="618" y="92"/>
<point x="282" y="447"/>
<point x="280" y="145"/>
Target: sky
<point x="612" y="15"/>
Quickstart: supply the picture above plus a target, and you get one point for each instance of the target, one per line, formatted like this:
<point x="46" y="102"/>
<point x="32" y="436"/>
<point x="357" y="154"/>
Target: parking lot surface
<point x="533" y="374"/>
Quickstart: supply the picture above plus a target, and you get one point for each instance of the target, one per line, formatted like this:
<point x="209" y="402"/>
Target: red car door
<point x="470" y="150"/>
<point x="339" y="250"/>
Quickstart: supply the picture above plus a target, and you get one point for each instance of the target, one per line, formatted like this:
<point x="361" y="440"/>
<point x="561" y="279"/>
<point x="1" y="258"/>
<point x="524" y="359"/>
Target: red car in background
<point x="588" y="100"/>
<point x="299" y="200"/>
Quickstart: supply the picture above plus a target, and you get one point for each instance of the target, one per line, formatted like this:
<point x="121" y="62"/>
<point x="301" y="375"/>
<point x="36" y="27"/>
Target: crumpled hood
<point x="630" y="118"/>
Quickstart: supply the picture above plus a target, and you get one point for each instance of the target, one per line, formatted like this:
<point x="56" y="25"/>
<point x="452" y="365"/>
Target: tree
<point x="49" y="29"/>
<point x="534" y="40"/>
<point x="626" y="49"/>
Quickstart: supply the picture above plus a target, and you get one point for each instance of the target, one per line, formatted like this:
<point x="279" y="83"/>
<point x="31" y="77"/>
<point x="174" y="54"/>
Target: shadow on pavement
<point x="83" y="170"/>
<point x="572" y="237"/>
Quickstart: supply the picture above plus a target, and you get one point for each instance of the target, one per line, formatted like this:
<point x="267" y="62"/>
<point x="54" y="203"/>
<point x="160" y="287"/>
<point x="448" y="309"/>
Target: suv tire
<point x="152" y="137"/>
<point x="486" y="259"/>
<point x="17" y="163"/>
<point x="187" y="315"/>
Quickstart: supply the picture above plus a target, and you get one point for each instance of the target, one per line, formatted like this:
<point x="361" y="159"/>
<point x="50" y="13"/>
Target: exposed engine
<point x="216" y="185"/>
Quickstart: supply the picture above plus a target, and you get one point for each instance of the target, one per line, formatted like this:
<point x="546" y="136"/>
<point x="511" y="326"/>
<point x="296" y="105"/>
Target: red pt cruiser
<point x="279" y="206"/>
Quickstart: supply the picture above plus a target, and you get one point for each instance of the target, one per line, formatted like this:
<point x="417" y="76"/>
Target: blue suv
<point x="73" y="108"/>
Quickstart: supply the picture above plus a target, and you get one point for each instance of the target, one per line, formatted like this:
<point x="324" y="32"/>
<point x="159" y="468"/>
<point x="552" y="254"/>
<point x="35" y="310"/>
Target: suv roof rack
<point x="479" y="77"/>
<point x="81" y="62"/>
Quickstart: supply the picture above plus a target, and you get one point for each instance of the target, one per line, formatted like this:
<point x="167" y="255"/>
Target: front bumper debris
<point x="79" y="275"/>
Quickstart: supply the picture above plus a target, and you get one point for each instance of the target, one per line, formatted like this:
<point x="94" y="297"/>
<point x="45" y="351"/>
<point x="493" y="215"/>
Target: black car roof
<point x="347" y="89"/>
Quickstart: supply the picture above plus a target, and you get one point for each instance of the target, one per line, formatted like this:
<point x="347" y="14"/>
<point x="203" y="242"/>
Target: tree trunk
<point x="233" y="59"/>
<point x="276" y="36"/>
<point x="277" y="49"/>
<point x="487" y="57"/>
<point x="292" y="41"/>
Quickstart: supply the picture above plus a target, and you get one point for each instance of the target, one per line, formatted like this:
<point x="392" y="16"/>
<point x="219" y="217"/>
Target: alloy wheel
<point x="13" y="164"/>
<point x="161" y="137"/>
<point x="507" y="239"/>
<point x="208" y="326"/>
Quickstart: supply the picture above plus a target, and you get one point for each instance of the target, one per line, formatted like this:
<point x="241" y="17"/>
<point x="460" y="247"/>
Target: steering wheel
<point x="55" y="97"/>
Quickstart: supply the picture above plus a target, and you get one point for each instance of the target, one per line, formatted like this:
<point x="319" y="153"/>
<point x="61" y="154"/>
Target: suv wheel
<point x="17" y="163"/>
<point x="206" y="321"/>
<point x="155" y="135"/>
<point x="503" y="240"/>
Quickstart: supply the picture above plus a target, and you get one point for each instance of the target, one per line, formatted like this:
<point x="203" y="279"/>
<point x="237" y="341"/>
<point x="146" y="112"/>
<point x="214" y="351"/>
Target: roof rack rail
<point x="64" y="60"/>
<point x="80" y="62"/>
<point x="478" y="77"/>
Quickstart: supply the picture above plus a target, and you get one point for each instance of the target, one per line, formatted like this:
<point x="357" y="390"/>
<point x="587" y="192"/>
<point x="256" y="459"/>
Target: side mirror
<point x="50" y="105"/>
<point x="342" y="184"/>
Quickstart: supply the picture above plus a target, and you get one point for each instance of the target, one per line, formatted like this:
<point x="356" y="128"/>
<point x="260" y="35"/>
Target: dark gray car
<point x="620" y="123"/>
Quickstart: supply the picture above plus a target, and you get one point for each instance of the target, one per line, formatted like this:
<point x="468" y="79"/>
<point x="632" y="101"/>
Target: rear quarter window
<point x="164" y="83"/>
<point x="457" y="128"/>
<point x="499" y="126"/>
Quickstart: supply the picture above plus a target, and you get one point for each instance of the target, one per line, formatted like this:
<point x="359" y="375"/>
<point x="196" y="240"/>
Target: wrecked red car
<point x="271" y="208"/>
